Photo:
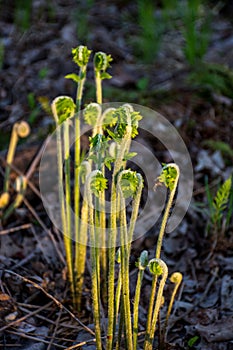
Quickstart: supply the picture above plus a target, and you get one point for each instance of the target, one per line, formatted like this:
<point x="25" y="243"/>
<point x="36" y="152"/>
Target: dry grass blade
<point x="40" y="340"/>
<point x="15" y="229"/>
<point x="76" y="346"/>
<point x="55" y="330"/>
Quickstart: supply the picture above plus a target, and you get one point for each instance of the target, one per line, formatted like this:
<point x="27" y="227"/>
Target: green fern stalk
<point x="94" y="260"/>
<point x="59" y="112"/>
<point x="83" y="239"/>
<point x="157" y="267"/>
<point x="113" y="232"/>
<point x="125" y="269"/>
<point x="169" y="177"/>
<point x="81" y="56"/>
<point x="142" y="264"/>
<point x="175" y="278"/>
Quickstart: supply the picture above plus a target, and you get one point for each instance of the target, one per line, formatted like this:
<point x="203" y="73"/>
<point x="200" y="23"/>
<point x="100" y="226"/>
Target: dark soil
<point x="35" y="305"/>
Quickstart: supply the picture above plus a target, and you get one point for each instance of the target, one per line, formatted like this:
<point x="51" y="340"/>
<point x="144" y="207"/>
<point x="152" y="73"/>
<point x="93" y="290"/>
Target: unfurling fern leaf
<point x="220" y="202"/>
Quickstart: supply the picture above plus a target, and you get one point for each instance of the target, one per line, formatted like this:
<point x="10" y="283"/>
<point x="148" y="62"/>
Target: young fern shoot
<point x="157" y="268"/>
<point x="113" y="131"/>
<point x="95" y="184"/>
<point x="20" y="130"/>
<point x="101" y="64"/>
<point x="63" y="108"/>
<point x="81" y="56"/>
<point x="122" y="135"/>
<point x="169" y="177"/>
<point x="175" y="278"/>
<point x="141" y="265"/>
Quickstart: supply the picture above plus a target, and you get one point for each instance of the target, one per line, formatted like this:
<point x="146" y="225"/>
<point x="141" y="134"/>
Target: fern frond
<point x="220" y="201"/>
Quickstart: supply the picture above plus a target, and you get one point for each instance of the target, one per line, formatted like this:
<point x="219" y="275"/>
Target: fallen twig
<point x="57" y="302"/>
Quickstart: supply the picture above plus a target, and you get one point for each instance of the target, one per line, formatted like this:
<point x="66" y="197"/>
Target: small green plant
<point x="43" y="72"/>
<point x="2" y="53"/>
<point x="22" y="14"/>
<point x="221" y="146"/>
<point x="196" y="31"/>
<point x="151" y="30"/>
<point x="220" y="208"/>
<point x="34" y="108"/>
<point x="192" y="341"/>
<point x="81" y="18"/>
<point x="213" y="77"/>
<point x="112" y="132"/>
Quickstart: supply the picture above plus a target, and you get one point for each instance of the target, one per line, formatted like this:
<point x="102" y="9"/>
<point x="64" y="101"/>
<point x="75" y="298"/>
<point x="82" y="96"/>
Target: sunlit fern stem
<point x="67" y="238"/>
<point x="135" y="208"/>
<point x="22" y="130"/>
<point x="77" y="168"/>
<point x="126" y="238"/>
<point x="112" y="235"/>
<point x="167" y="210"/>
<point x="66" y="126"/>
<point x="118" y="288"/>
<point x="21" y="185"/>
<point x="136" y="306"/>
<point x="94" y="267"/>
<point x="175" y="278"/>
<point x="159" y="243"/>
<point x="151" y="305"/>
<point x="98" y="83"/>
<point x="101" y="200"/>
<point x="120" y="327"/>
<point x="83" y="243"/>
<point x="158" y="303"/>
<point x="142" y="264"/>
<point x="111" y="273"/>
<point x="79" y="249"/>
<point x="149" y="337"/>
<point x="125" y="271"/>
<point x="10" y="156"/>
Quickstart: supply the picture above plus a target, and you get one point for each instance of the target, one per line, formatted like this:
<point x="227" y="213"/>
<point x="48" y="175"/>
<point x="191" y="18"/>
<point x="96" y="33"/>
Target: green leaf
<point x="168" y="176"/>
<point x="96" y="141"/>
<point x="155" y="267"/>
<point x="121" y="114"/>
<point x="192" y="341"/>
<point x="109" y="120"/>
<point x="65" y="108"/>
<point x="129" y="183"/>
<point x="105" y="75"/>
<point x="91" y="113"/>
<point x="76" y="78"/>
<point x="130" y="155"/>
<point x="142" y="262"/>
<point x="108" y="162"/>
<point x="102" y="61"/>
<point x="112" y="135"/>
<point x="221" y="200"/>
<point x="98" y="184"/>
<point x="81" y="55"/>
